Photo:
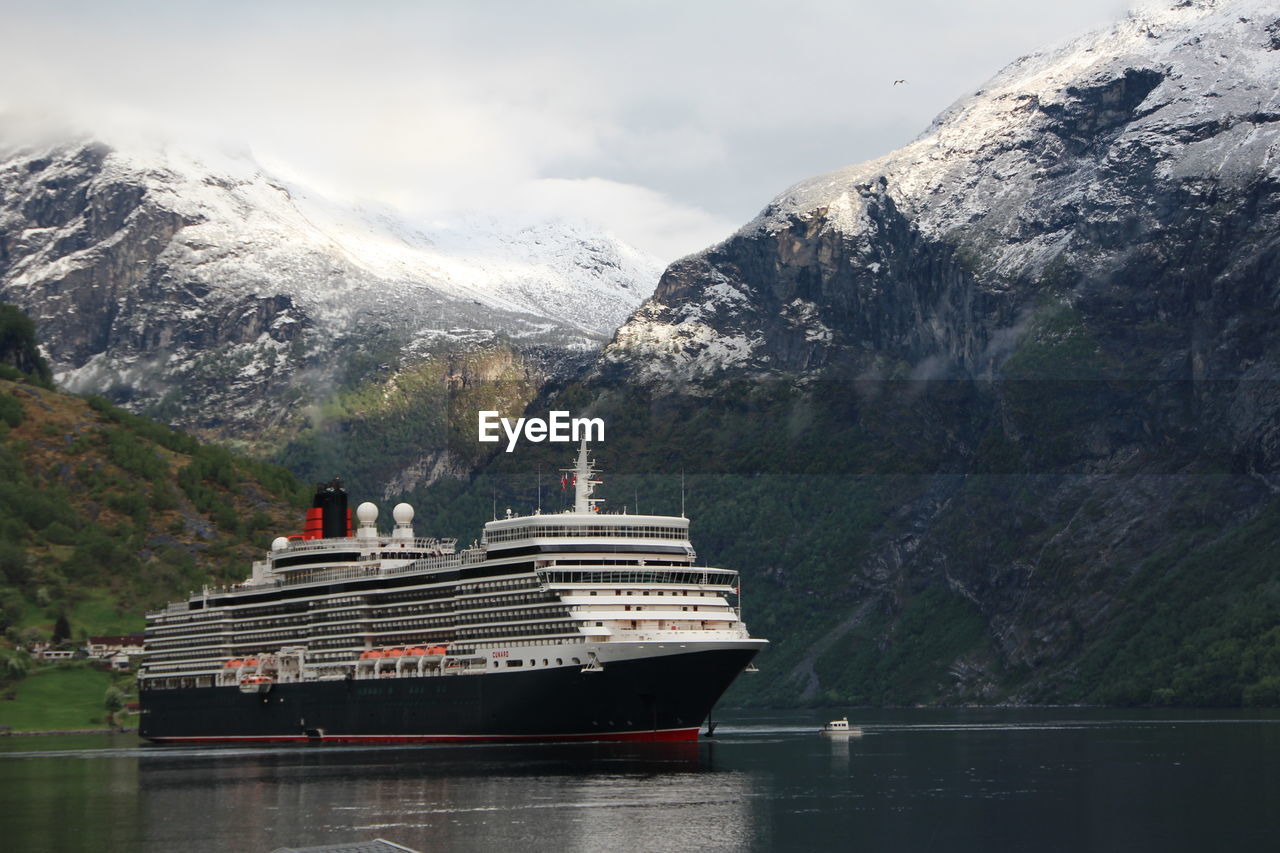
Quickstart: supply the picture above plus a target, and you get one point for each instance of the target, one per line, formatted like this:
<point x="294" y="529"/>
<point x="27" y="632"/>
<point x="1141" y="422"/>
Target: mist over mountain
<point x="994" y="417"/>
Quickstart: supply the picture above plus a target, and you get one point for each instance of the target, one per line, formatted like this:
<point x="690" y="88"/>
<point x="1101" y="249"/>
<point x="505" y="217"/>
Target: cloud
<point x="669" y="122"/>
<point x="648" y="219"/>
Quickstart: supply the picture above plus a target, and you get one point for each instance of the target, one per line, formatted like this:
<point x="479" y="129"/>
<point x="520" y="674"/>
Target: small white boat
<point x="841" y="728"/>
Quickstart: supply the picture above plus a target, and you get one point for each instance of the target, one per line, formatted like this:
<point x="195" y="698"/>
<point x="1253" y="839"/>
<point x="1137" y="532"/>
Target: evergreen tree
<point x="18" y="345"/>
<point x="61" y="629"/>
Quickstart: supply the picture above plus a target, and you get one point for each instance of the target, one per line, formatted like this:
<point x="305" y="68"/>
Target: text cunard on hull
<point x="582" y="624"/>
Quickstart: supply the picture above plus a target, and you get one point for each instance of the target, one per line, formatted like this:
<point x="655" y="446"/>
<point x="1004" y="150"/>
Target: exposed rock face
<point x="1086" y="253"/>
<point x="1131" y="174"/>
<point x="208" y="293"/>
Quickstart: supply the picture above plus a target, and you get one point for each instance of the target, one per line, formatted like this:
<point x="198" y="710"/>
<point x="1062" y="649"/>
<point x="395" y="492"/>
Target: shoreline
<point x="47" y="732"/>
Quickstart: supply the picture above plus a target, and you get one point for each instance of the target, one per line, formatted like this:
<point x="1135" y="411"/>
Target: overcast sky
<point x="670" y="123"/>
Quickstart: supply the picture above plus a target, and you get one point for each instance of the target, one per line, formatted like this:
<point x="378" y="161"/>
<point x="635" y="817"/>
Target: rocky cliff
<point x="1130" y="174"/>
<point x="1012" y="388"/>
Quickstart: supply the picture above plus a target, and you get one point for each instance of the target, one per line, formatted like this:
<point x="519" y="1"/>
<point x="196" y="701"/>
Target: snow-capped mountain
<point x="204" y="289"/>
<point x="1073" y="168"/>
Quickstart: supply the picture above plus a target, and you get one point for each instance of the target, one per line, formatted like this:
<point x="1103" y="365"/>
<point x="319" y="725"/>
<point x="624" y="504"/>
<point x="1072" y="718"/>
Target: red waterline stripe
<point x="660" y="735"/>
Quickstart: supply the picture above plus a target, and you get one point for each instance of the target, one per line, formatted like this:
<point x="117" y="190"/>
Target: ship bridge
<point x="555" y="531"/>
<point x="584" y="528"/>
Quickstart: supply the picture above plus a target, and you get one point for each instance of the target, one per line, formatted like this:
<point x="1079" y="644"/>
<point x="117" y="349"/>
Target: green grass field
<point x="58" y="697"/>
<point x="97" y="613"/>
<point x="94" y="613"/>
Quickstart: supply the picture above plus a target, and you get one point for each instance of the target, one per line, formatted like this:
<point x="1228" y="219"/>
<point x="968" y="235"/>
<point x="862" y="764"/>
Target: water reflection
<point x="839" y="756"/>
<point x="573" y="797"/>
<point x="971" y="781"/>
<point x="72" y="801"/>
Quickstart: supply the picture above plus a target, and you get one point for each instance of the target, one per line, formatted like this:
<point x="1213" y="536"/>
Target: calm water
<point x="917" y="780"/>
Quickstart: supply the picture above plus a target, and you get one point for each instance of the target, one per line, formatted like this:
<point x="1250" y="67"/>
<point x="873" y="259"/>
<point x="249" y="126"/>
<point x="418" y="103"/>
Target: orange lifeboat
<point x="235" y="663"/>
<point x="250" y="661"/>
<point x="437" y="650"/>
<point x="255" y="684"/>
<point x="375" y="653"/>
<point x="396" y="653"/>
<point x="417" y="651"/>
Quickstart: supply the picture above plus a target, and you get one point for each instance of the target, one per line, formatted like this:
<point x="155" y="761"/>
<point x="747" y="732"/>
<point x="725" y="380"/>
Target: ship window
<point x="577" y="662"/>
<point x="559" y="661"/>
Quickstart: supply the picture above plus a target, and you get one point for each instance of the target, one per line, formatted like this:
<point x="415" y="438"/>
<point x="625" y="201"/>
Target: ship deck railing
<point x="346" y="543"/>
<point x="469" y="557"/>
<point x="618" y="575"/>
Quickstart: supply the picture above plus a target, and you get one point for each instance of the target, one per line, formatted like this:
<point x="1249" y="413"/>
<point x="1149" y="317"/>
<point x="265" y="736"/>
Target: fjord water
<point x="971" y="780"/>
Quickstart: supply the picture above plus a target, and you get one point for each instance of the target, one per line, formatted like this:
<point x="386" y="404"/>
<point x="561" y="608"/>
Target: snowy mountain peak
<point x="1160" y="74"/>
<point x="250" y="231"/>
<point x="169" y="275"/>
<point x="1104" y="154"/>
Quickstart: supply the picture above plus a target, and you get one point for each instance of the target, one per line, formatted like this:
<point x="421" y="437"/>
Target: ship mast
<point x="584" y="481"/>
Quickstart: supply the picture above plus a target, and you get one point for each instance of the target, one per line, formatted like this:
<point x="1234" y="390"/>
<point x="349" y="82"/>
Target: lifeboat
<point x="395" y="653"/>
<point x="235" y="662"/>
<point x="374" y="653"/>
<point x="255" y="684"/>
<point x="417" y="651"/>
<point x="250" y="662"/>
<point x="437" y="650"/>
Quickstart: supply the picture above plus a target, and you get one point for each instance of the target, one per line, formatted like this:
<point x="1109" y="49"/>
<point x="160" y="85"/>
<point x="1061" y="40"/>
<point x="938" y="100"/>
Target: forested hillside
<point x="104" y="514"/>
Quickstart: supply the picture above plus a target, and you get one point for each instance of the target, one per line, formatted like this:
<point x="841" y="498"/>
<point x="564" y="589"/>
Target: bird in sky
<point x="896" y="82"/>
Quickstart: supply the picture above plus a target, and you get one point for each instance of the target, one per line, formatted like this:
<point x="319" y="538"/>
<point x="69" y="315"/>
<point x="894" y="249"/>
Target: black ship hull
<point x="653" y="698"/>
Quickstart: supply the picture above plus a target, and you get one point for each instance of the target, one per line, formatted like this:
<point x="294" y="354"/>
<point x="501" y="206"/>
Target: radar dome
<point x="279" y="543"/>
<point x="367" y="513"/>
<point x="403" y="513"/>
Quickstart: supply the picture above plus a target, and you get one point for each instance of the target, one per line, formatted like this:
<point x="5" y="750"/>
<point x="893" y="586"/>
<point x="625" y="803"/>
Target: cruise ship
<point x="574" y="625"/>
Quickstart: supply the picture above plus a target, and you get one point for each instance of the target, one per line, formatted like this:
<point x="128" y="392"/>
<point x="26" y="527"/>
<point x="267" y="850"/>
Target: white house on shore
<point x="119" y="650"/>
